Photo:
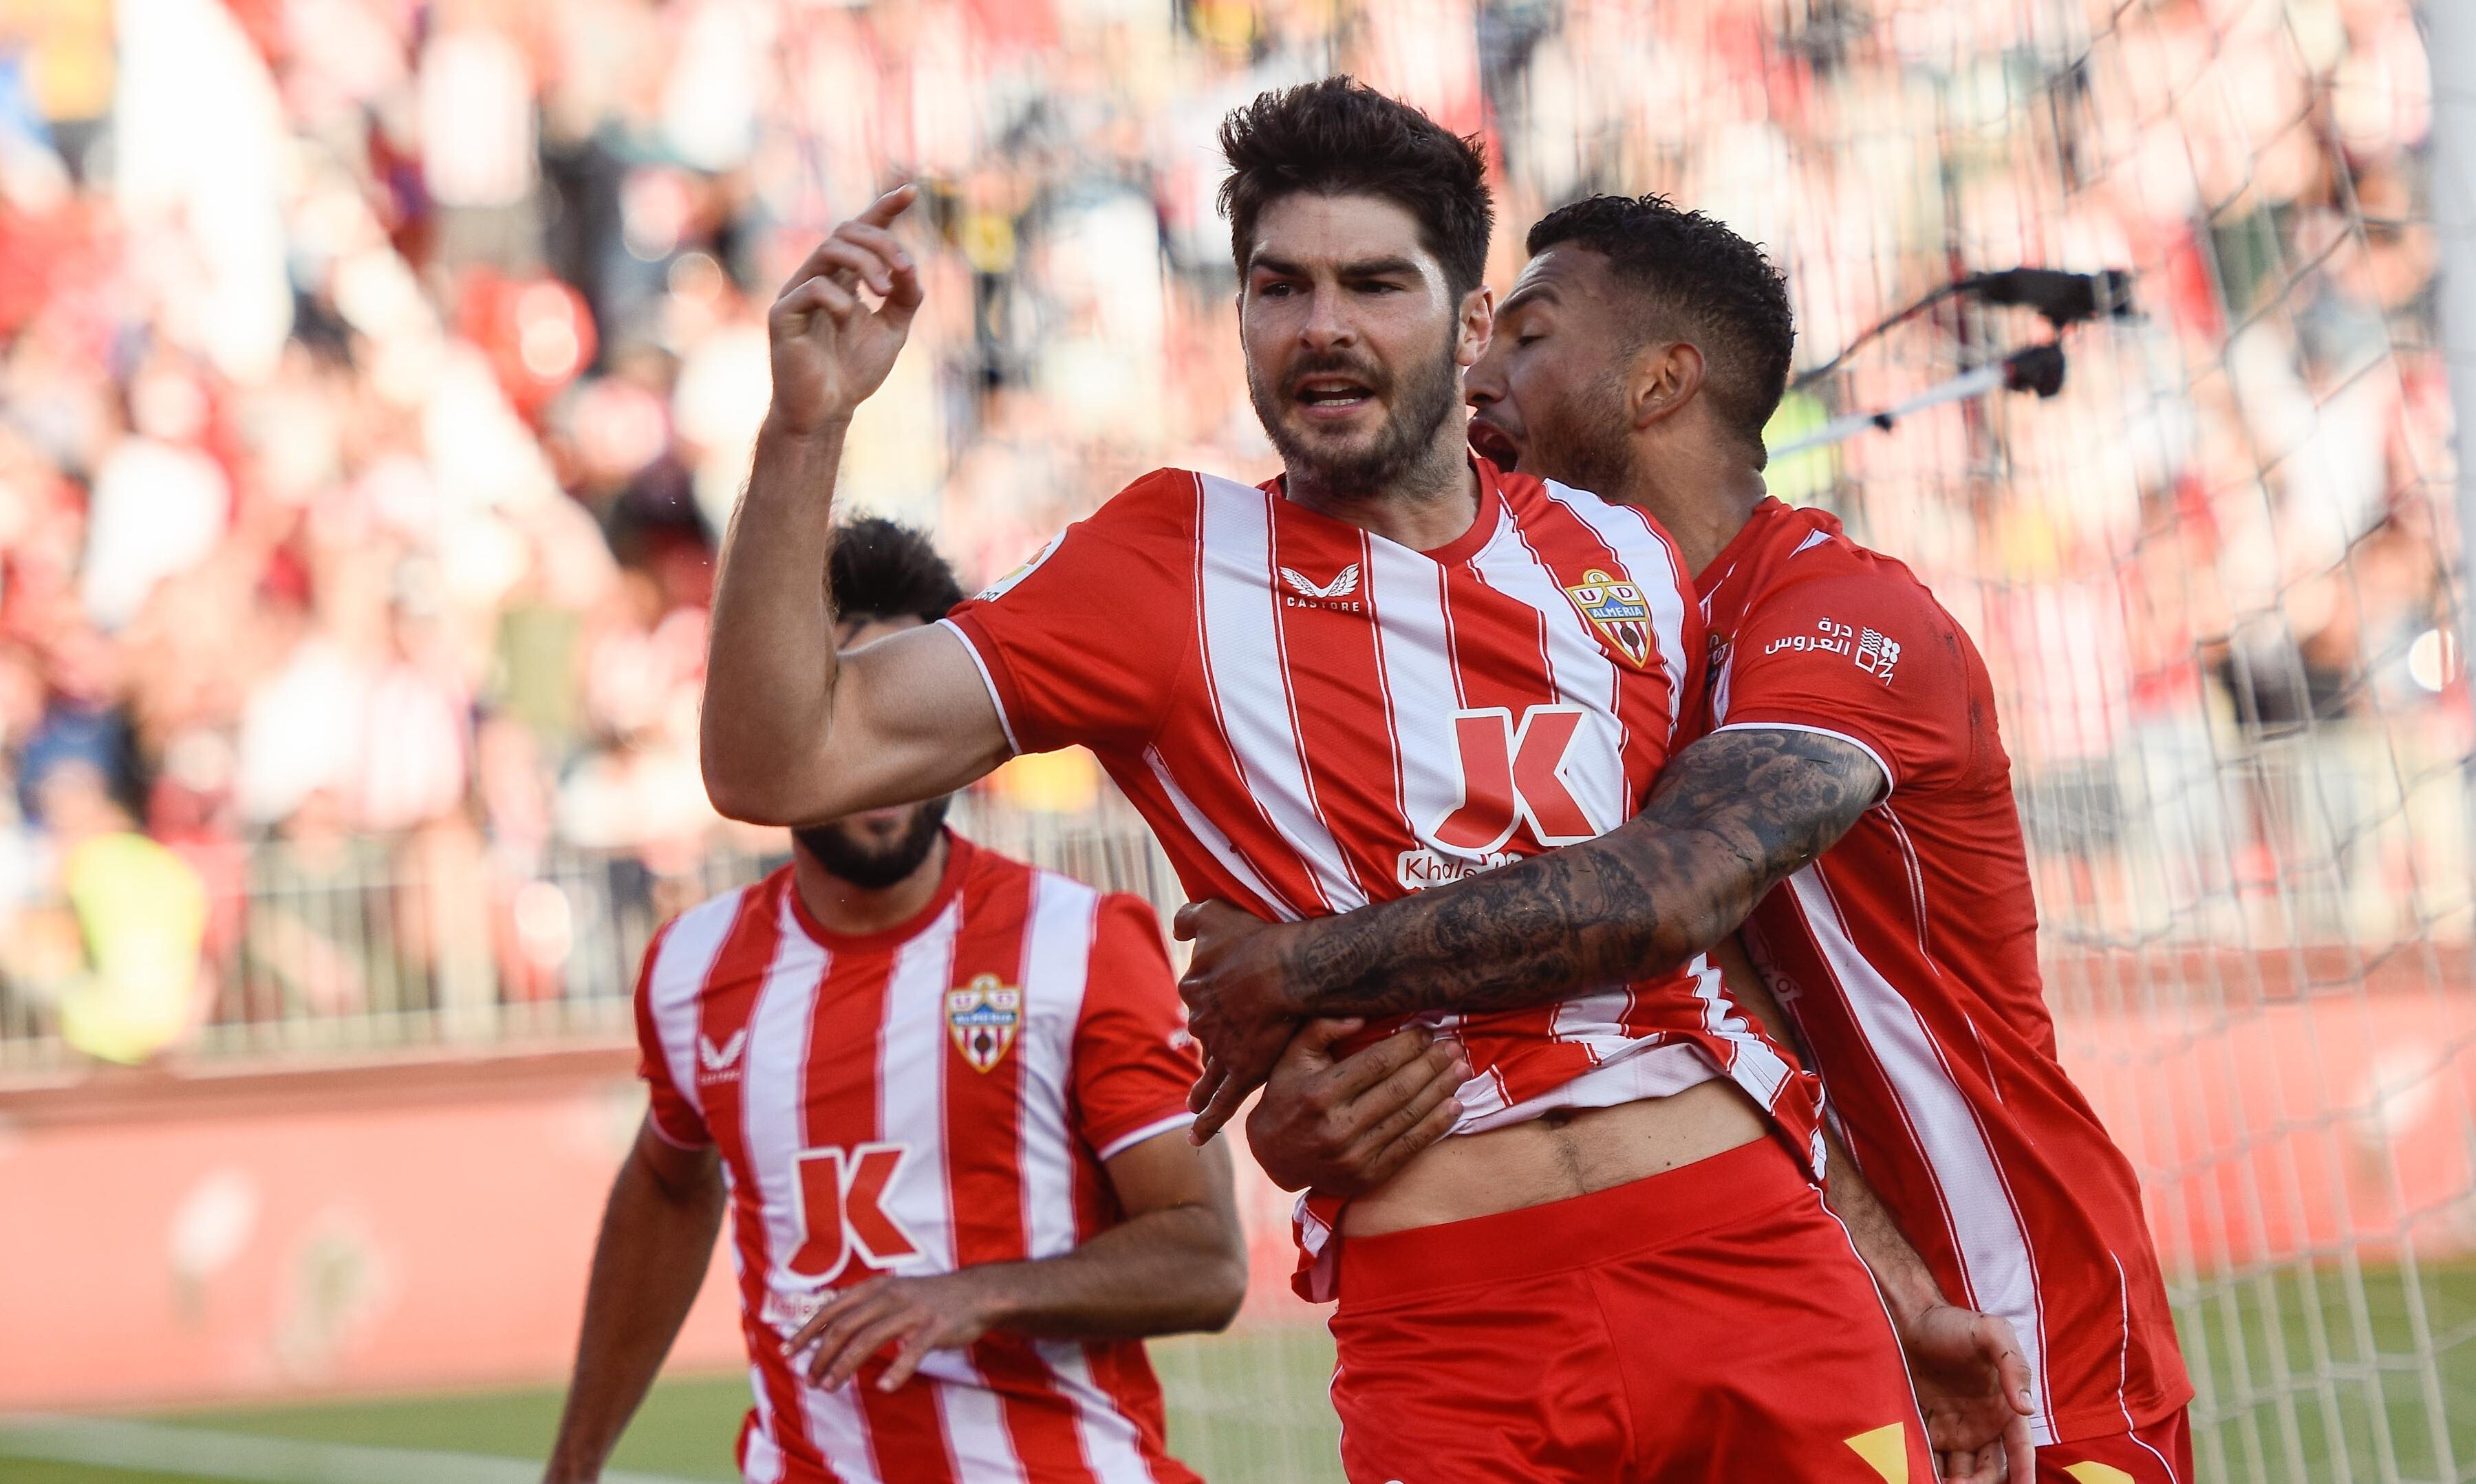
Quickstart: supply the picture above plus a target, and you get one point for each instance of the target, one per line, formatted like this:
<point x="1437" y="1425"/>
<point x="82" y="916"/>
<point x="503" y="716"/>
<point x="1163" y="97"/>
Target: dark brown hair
<point x="1340" y="137"/>
<point x="880" y="569"/>
<point x="1699" y="282"/>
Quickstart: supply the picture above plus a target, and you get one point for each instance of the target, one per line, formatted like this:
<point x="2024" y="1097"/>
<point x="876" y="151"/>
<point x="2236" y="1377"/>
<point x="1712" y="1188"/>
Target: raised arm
<point x="1732" y="816"/>
<point x="793" y="733"/>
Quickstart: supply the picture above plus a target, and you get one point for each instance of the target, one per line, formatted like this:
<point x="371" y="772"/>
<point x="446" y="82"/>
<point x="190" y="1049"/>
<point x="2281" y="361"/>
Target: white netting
<point x="2214" y="578"/>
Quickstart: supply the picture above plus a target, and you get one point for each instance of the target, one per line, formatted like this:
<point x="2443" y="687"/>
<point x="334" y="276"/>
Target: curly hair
<point x="882" y="569"/>
<point x="1699" y="282"/>
<point x="1340" y="137"/>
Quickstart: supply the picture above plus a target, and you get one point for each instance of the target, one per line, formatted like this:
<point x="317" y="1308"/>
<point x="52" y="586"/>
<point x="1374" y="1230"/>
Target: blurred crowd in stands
<point x="376" y="377"/>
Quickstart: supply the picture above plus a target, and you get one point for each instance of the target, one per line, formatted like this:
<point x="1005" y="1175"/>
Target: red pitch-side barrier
<point x="347" y="1231"/>
<point x="396" y="1228"/>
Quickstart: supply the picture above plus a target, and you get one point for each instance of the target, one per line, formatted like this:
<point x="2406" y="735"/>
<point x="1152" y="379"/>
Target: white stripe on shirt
<point x="1056" y="960"/>
<point x="911" y="1091"/>
<point x="674" y="989"/>
<point x="1987" y="1230"/>
<point x="1250" y="687"/>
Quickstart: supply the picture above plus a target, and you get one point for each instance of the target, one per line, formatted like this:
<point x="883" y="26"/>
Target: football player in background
<point x="943" y="1095"/>
<point x="1852" y="806"/>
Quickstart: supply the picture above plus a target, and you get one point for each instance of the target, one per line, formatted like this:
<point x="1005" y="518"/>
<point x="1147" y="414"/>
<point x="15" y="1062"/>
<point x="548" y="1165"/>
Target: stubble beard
<point x="1587" y="449"/>
<point x="1383" y="465"/>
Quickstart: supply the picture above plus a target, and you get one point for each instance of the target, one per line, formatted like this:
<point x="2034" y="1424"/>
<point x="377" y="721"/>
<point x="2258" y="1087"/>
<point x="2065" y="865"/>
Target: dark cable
<point x="2060" y="298"/>
<point x="1876" y="331"/>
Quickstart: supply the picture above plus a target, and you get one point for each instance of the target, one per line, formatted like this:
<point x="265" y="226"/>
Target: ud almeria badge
<point x="1617" y="609"/>
<point x="983" y="1017"/>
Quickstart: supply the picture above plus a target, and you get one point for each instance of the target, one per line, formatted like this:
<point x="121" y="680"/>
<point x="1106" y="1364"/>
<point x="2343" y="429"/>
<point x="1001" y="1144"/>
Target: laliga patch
<point x="1618" y="611"/>
<point x="1007" y="584"/>
<point x="983" y="1017"/>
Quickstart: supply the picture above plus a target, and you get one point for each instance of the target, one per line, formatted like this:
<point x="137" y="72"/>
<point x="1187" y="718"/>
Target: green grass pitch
<point x="2319" y="1375"/>
<point x="1249" y="1406"/>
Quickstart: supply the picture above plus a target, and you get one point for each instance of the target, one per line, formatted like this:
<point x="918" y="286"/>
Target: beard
<point x="1430" y="394"/>
<point x="873" y="867"/>
<point x="1584" y="442"/>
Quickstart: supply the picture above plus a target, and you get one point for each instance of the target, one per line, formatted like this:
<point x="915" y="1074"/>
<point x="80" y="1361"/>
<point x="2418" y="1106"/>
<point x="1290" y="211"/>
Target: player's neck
<point x="1703" y="501"/>
<point x="839" y="906"/>
<point x="1428" y="506"/>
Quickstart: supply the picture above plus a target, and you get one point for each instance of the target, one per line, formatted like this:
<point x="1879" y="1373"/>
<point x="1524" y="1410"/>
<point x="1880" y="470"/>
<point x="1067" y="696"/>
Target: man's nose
<point x="1327" y="324"/>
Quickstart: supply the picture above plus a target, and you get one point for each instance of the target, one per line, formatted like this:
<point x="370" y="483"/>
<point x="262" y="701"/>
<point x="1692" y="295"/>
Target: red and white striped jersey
<point x="1312" y="717"/>
<point x="1907" y="954"/>
<point x="934" y="1095"/>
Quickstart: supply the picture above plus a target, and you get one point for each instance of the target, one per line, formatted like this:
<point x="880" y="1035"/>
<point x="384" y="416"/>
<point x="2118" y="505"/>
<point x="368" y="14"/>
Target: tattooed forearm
<point x="1731" y="817"/>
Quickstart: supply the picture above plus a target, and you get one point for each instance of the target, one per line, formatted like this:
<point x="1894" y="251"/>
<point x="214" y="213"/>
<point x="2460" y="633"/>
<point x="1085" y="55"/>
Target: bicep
<point x="1774" y="797"/>
<point x="683" y="1172"/>
<point x="912" y="720"/>
<point x="1165" y="1172"/>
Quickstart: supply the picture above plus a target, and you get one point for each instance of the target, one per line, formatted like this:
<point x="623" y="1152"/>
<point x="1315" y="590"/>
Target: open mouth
<point x="1491" y="444"/>
<point x="1332" y="396"/>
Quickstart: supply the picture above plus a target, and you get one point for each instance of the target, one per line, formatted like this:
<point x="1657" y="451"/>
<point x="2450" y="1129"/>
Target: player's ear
<point x="1475" y="327"/>
<point x="1667" y="376"/>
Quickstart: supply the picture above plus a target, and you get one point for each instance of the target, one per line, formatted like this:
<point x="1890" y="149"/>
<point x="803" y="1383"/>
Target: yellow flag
<point x="1886" y="1449"/>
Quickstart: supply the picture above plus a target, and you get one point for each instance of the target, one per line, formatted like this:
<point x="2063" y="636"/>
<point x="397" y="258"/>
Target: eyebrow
<point x="1529" y="293"/>
<point x="1365" y="267"/>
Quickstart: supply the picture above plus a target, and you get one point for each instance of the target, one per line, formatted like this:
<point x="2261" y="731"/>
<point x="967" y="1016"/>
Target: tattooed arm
<point x="1731" y="817"/>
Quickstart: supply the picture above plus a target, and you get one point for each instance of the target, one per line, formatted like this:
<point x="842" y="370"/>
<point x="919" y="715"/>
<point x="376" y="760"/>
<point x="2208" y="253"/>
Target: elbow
<point x="1220" y="1289"/>
<point x="1715" y="921"/>
<point x="736" y="800"/>
<point x="1710" y="905"/>
<point x="748" y="794"/>
<point x="1224" y="1286"/>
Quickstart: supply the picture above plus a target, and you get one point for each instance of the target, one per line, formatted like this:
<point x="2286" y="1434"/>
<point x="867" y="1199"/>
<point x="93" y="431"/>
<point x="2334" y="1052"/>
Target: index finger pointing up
<point x="882" y="211"/>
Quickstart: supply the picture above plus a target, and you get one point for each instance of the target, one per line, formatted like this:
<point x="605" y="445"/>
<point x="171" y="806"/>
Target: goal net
<point x="2214" y="573"/>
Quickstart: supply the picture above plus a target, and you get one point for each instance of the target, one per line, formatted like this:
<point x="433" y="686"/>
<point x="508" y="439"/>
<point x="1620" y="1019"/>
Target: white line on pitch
<point x="203" y="1454"/>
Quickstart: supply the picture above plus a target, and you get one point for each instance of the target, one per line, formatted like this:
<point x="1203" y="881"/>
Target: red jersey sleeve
<point x="1134" y="1062"/>
<point x="675" y="1117"/>
<point x="1083" y="643"/>
<point x="1866" y="655"/>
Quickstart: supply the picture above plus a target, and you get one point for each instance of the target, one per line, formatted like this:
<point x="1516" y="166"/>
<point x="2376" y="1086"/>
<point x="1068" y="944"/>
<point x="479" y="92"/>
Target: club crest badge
<point x="983" y="1017"/>
<point x="1618" y="610"/>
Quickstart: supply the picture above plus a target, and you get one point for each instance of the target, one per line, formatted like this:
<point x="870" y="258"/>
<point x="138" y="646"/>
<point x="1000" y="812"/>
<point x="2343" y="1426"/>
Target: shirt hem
<point x="1891" y="779"/>
<point x="1656" y="1071"/>
<point x="988" y="678"/>
<point x="695" y="1145"/>
<point x="1152" y="1131"/>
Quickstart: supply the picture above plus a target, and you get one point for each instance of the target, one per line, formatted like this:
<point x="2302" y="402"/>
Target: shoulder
<point x="1835" y="632"/>
<point x="1820" y="568"/>
<point x="995" y="875"/>
<point x="1063" y="907"/>
<point x="1596" y="541"/>
<point x="1633" y="534"/>
<point x="1154" y="516"/>
<point x="1129" y="969"/>
<point x="1056" y="907"/>
<point x="679" y="959"/>
<point x="1161" y="503"/>
<point x="1124" y="921"/>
